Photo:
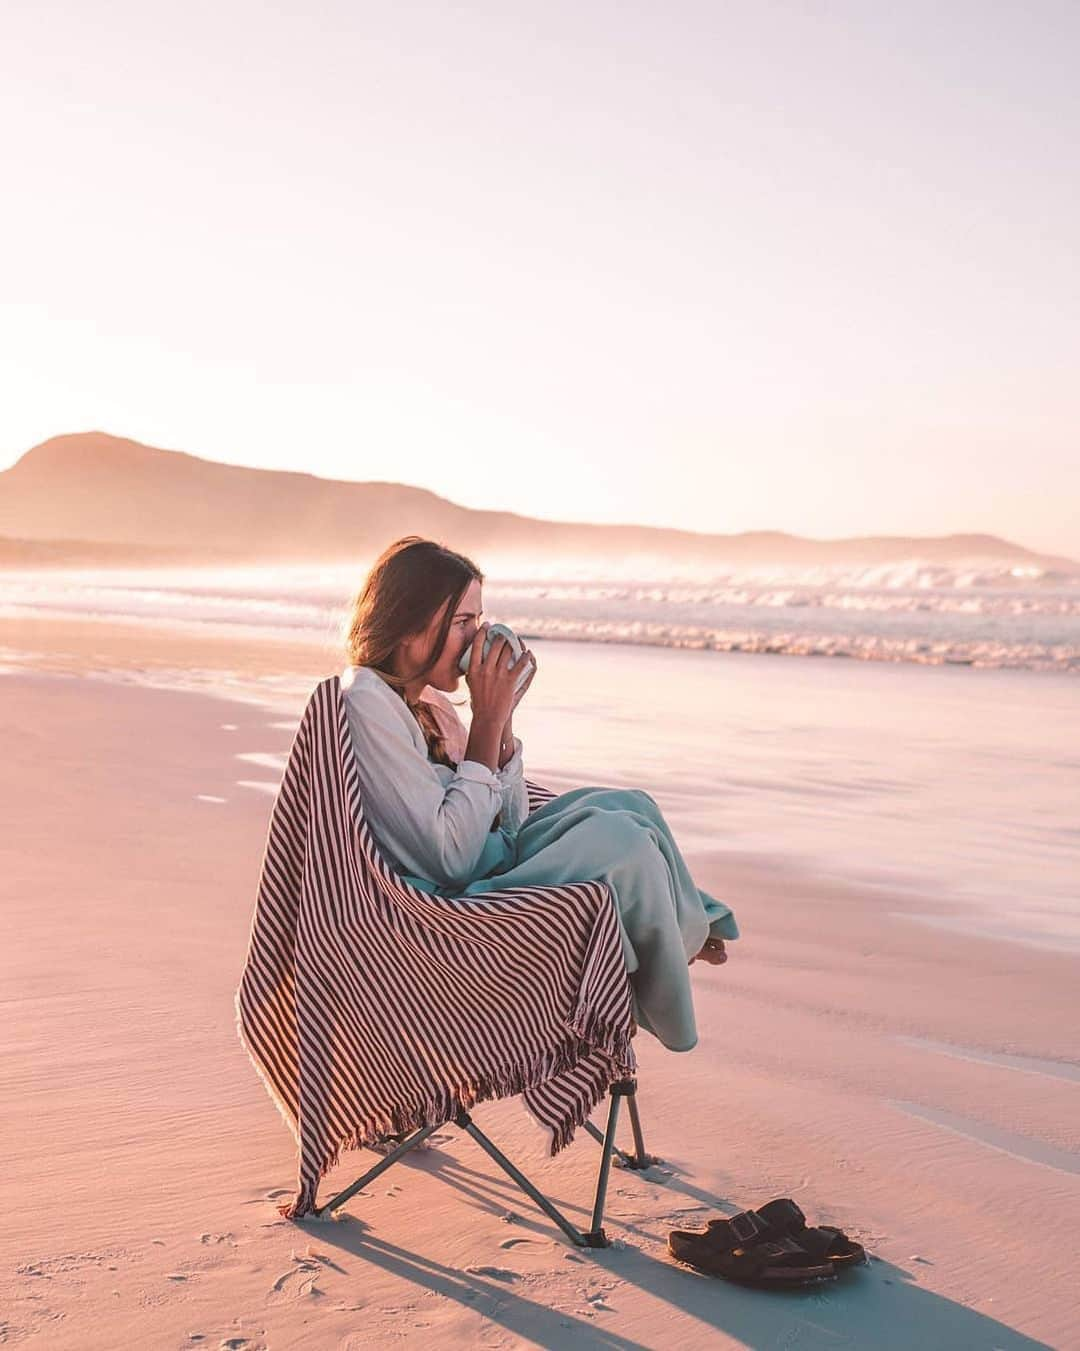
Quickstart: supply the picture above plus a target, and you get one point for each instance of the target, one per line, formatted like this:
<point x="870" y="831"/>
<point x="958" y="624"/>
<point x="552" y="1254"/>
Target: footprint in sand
<point x="286" y="1276"/>
<point x="306" y="1266"/>
<point x="496" y="1273"/>
<point x="514" y="1242"/>
<point x="267" y="1196"/>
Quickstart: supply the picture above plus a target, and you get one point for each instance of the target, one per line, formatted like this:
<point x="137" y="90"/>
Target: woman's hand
<point x="491" y="680"/>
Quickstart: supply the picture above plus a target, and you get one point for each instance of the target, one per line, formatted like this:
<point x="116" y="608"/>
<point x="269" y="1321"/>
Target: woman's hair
<point x="407" y="584"/>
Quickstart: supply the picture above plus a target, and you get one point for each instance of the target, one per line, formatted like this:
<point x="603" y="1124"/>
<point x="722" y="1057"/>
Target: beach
<point x="892" y="1043"/>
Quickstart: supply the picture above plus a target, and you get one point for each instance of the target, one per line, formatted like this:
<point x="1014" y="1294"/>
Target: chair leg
<point x="573" y="1233"/>
<point x="605" y="1167"/>
<point x="595" y="1237"/>
<point x="373" y="1173"/>
<point x="640" y="1158"/>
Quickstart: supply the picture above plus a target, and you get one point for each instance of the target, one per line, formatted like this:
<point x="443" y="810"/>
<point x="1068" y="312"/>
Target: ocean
<point x="944" y="766"/>
<point x="981" y="615"/>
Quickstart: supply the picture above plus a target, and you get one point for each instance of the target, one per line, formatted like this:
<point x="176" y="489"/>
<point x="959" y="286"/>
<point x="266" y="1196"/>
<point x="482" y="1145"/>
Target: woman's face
<point x="464" y="623"/>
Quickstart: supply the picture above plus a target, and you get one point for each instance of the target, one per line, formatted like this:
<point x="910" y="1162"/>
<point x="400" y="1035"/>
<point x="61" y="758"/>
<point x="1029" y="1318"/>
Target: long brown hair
<point x="407" y="584"/>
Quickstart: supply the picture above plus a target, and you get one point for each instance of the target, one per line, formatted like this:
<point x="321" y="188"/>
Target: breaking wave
<point x="979" y="614"/>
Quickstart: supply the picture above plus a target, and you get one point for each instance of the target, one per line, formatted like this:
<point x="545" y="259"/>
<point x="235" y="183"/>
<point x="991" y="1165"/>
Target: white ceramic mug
<point x="515" y="647"/>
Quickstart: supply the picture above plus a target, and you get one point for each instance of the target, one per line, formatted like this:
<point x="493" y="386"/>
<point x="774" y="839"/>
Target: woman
<point x="450" y="810"/>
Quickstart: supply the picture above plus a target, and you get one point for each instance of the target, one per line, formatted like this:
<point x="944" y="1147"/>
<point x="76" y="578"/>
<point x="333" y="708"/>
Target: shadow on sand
<point x="875" y="1306"/>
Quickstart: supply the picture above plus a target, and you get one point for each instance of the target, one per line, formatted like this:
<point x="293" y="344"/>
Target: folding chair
<point x="325" y="1033"/>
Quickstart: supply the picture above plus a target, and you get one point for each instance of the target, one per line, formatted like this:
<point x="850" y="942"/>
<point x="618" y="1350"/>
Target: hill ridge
<point x="95" y="488"/>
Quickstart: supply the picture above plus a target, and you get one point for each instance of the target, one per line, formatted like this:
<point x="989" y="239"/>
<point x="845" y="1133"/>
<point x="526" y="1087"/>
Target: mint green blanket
<point x="619" y="836"/>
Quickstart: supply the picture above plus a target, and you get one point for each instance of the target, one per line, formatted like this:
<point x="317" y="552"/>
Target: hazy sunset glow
<point x="721" y="267"/>
<point x="735" y="344"/>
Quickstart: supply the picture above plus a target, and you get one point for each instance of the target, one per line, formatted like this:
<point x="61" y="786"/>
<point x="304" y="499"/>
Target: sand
<point x="911" y="1084"/>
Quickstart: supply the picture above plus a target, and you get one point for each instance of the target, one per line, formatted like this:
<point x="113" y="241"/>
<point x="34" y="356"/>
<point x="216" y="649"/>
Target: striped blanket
<point x="370" y="1008"/>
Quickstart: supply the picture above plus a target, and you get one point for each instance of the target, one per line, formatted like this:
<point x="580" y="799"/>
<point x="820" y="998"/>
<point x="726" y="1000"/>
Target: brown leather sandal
<point x="782" y="1218"/>
<point x="741" y="1253"/>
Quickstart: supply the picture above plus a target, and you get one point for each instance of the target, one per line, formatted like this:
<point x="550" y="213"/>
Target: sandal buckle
<point x="745" y="1226"/>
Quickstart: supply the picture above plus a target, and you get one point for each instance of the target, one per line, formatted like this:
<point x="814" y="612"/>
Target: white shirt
<point x="430" y="820"/>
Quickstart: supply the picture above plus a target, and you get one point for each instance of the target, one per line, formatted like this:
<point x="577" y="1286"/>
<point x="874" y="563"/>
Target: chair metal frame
<point x="594" y="1237"/>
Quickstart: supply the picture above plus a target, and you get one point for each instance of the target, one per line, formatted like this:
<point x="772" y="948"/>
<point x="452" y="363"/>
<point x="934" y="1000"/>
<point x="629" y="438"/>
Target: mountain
<point x="93" y="497"/>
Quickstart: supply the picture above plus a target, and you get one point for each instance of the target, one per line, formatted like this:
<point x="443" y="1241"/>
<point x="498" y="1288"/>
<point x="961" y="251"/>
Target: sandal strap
<point x="783" y="1214"/>
<point x="744" y="1230"/>
<point x="775" y="1219"/>
<point x="775" y="1255"/>
<point x="825" y="1242"/>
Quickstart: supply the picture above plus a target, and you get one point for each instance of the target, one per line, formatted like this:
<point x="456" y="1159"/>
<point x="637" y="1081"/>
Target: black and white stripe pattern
<point x="370" y="1007"/>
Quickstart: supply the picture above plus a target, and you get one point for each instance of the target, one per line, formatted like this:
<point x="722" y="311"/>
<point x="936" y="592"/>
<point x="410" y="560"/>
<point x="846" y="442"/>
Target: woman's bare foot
<point x="713" y="952"/>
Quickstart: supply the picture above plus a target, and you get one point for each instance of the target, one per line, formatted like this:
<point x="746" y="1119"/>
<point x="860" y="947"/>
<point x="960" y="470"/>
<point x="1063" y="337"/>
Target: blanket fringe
<point x="607" y="1038"/>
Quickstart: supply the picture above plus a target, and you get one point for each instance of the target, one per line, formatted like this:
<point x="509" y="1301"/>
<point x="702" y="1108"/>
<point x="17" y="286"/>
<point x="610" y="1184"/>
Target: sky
<point x="723" y="266"/>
